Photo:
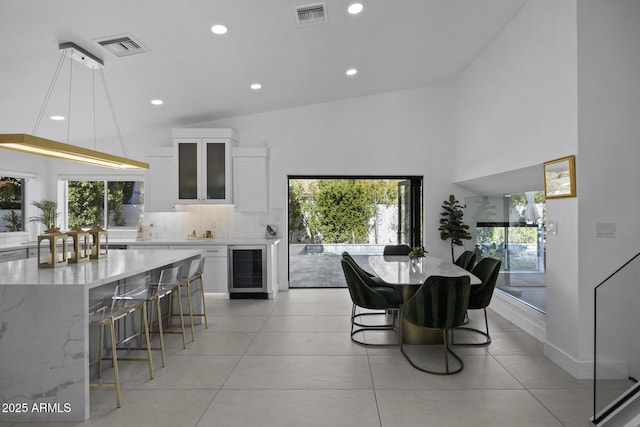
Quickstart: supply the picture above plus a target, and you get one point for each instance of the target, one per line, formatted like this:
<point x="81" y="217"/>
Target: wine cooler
<point x="248" y="271"/>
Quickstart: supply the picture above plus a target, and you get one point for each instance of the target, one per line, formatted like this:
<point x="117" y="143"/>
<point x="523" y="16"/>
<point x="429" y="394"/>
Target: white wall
<point x="563" y="78"/>
<point x="398" y="133"/>
<point x="516" y="107"/>
<point x="609" y="144"/>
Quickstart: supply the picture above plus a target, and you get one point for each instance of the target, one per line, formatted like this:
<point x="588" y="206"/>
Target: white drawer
<point x="13" y="255"/>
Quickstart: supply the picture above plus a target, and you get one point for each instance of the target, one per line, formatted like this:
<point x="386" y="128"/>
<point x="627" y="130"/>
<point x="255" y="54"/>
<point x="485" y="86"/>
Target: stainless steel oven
<point x="248" y="271"/>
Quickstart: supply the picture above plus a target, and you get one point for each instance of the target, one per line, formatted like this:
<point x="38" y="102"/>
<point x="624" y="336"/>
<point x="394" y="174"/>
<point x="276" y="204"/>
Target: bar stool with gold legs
<point x="194" y="274"/>
<point x="127" y="299"/>
<point x="168" y="284"/>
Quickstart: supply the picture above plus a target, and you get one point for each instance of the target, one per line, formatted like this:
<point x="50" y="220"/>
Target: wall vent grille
<point x="122" y="46"/>
<point x="311" y="14"/>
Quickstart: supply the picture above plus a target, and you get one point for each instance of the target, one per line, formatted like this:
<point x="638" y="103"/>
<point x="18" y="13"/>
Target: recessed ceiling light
<point x="255" y="86"/>
<point x="351" y="72"/>
<point x="57" y="118"/>
<point x="355" y="8"/>
<point x="219" y="29"/>
<point x="157" y="101"/>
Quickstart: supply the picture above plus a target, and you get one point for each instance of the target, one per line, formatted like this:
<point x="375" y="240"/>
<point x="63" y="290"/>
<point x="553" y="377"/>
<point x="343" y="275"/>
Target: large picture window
<point x="108" y="203"/>
<point x="510" y="228"/>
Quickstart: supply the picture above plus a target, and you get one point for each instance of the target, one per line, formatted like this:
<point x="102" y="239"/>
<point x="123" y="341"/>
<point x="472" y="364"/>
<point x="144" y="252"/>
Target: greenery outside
<point x="519" y="233"/>
<point x="86" y="202"/>
<point x="11" y="201"/>
<point x="337" y="210"/>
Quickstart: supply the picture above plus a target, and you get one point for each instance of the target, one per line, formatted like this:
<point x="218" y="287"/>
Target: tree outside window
<point x="11" y="206"/>
<point x="106" y="203"/>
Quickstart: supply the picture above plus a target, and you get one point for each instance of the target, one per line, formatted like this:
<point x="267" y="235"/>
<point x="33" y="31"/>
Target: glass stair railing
<point x="617" y="347"/>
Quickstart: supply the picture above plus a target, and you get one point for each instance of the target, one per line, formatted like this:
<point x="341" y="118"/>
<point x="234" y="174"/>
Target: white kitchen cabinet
<point x="215" y="269"/>
<point x="215" y="266"/>
<point x="204" y="166"/>
<point x="251" y="179"/>
<point x="160" y="184"/>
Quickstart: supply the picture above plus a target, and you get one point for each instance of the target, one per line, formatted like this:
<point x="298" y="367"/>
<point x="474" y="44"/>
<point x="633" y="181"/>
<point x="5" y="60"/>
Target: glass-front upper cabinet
<point x="204" y="165"/>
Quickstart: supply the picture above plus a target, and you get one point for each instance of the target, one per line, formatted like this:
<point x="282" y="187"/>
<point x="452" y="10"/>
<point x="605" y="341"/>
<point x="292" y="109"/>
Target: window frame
<point x="26" y="177"/>
<point x="63" y="195"/>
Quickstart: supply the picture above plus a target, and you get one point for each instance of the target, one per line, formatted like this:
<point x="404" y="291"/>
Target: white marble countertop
<point x="400" y="271"/>
<point x="117" y="265"/>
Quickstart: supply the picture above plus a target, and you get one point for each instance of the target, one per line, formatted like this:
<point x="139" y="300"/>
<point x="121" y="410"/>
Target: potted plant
<point x="451" y="225"/>
<point x="48" y="213"/>
<point x="416" y="254"/>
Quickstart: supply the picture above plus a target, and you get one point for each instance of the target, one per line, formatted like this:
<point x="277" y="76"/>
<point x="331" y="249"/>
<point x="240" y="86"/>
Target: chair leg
<point x="145" y="326"/>
<point x="204" y="307"/>
<point x="160" y="331"/>
<point x="187" y="285"/>
<point x="193" y="333"/>
<point x="184" y="341"/>
<point x="447" y="350"/>
<point x="100" y="350"/>
<point x="114" y="359"/>
<point x="363" y="328"/>
<point x="487" y="337"/>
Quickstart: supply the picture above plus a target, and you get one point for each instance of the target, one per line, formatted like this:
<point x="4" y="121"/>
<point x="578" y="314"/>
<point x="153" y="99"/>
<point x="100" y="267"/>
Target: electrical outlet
<point x="552" y="227"/>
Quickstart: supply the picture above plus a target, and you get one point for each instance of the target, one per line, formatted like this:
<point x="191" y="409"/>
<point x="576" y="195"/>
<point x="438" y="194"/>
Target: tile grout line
<point x="526" y="388"/>
<point x="232" y="370"/>
<point x="373" y="387"/>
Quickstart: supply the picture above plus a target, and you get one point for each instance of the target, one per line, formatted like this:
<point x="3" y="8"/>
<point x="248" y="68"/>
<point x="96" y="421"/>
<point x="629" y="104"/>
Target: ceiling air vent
<point x="311" y="14"/>
<point x="122" y="46"/>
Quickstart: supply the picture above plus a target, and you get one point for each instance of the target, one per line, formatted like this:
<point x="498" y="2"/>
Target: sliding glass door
<point x="410" y="212"/>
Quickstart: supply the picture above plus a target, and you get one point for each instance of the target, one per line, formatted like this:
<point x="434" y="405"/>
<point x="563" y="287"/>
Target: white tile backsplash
<point x="223" y="222"/>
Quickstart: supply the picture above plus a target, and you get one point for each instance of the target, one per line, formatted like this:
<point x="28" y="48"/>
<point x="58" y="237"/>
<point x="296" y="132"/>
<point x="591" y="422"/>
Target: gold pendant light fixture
<point x="46" y="147"/>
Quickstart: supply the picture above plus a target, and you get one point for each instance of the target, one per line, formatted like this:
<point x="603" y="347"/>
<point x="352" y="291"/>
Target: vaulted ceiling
<point x="394" y="45"/>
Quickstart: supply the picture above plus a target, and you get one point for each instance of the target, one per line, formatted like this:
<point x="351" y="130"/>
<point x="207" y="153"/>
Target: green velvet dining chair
<point x="394" y="250"/>
<point x="440" y="303"/>
<point x="466" y="260"/>
<point x="487" y="271"/>
<point x="378" y="281"/>
<point x="366" y="294"/>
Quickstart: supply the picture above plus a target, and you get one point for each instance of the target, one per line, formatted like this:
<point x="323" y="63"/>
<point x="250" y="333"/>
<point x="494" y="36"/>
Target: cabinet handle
<point x="7" y="254"/>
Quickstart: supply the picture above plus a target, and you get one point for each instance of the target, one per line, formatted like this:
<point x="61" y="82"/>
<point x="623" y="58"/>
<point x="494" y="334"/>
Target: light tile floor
<point x="290" y="362"/>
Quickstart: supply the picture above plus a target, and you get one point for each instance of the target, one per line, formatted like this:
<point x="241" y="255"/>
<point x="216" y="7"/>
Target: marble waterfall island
<point x="44" y="330"/>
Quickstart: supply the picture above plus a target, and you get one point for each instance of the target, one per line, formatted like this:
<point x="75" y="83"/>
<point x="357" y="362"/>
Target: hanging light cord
<point x="93" y="88"/>
<point x="69" y="104"/>
<point x="47" y="97"/>
<point x="113" y="112"/>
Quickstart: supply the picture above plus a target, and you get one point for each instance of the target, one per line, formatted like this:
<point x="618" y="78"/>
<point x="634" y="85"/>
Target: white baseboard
<point x="580" y="369"/>
<point x="526" y="318"/>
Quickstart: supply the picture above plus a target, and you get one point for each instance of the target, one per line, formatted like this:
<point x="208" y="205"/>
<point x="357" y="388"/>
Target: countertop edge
<point x="153" y="242"/>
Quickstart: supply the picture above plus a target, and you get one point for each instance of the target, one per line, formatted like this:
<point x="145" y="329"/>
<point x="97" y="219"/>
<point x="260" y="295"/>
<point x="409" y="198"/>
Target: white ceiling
<point x="395" y="44"/>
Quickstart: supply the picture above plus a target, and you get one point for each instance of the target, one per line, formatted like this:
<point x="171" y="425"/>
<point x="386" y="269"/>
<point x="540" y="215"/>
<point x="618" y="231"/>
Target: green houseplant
<point x="451" y="225"/>
<point x="48" y="213"/>
<point x="417" y="252"/>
